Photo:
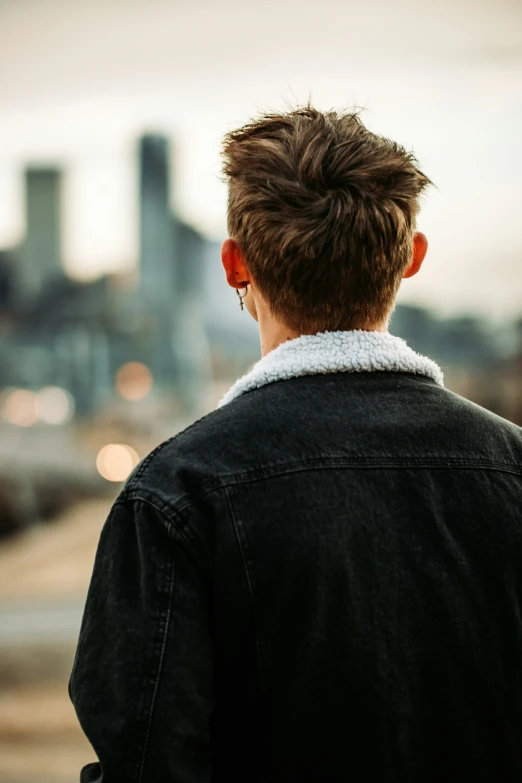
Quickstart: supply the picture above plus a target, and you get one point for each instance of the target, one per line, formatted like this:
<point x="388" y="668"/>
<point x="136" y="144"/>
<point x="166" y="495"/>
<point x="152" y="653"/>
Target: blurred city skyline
<point x="79" y="83"/>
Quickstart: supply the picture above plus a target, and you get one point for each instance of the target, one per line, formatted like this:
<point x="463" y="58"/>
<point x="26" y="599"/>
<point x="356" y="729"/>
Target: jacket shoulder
<point x="187" y="463"/>
<point x="482" y="416"/>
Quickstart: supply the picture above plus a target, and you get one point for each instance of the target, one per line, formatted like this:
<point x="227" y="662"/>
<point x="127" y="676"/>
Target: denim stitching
<point x="357" y="463"/>
<point x="243" y="547"/>
<point x="271" y="471"/>
<point x="160" y="669"/>
<point x="146" y="461"/>
<point x="441" y="463"/>
<point x="175" y="527"/>
<point x="118" y="502"/>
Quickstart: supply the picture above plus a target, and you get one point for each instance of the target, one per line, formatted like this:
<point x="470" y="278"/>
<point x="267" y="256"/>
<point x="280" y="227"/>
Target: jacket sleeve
<point x="142" y="683"/>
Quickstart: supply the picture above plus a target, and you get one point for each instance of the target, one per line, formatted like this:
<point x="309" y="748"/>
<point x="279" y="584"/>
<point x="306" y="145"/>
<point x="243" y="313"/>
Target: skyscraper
<point x="171" y="256"/>
<point x="41" y="252"/>
<point x="157" y="283"/>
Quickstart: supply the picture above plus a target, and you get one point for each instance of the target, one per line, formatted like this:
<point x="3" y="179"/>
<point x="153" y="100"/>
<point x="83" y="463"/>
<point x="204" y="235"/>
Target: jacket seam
<point x="259" y="474"/>
<point x="175" y="527"/>
<point x="141" y="468"/>
<point x="81" y="634"/>
<point x="243" y="547"/>
<point x="361" y="463"/>
<point x="146" y="461"/>
<point x="165" y="632"/>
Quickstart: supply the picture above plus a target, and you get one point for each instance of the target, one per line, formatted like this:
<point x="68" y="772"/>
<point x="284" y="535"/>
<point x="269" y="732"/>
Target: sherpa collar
<point x="328" y="352"/>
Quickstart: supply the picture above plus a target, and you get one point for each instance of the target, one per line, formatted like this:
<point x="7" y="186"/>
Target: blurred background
<point x="117" y="328"/>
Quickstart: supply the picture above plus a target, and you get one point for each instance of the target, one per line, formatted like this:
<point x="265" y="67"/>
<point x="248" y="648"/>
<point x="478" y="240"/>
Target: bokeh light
<point x="116" y="461"/>
<point x="54" y="405"/>
<point x="19" y="408"/>
<point x="134" y="381"/>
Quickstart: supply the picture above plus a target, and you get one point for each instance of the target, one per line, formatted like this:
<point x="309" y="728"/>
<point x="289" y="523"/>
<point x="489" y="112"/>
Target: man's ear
<point x="234" y="264"/>
<point x="420" y="247"/>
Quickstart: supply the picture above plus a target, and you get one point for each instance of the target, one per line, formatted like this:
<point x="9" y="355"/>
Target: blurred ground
<point x="44" y="575"/>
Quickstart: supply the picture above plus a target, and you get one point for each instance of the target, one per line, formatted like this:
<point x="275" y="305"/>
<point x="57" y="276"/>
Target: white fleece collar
<point x="329" y="352"/>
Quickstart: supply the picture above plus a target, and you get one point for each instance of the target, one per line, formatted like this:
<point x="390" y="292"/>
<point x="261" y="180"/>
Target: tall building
<point x="157" y="271"/>
<point x="7" y="267"/>
<point x="40" y="259"/>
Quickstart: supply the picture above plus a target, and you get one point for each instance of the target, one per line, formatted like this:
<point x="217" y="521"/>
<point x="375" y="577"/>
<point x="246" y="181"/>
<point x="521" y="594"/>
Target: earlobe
<point x="420" y="248"/>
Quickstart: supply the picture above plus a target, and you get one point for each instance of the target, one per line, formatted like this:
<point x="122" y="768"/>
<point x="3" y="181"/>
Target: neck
<point x="273" y="333"/>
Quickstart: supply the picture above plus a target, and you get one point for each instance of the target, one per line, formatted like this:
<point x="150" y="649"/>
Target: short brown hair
<point x="323" y="212"/>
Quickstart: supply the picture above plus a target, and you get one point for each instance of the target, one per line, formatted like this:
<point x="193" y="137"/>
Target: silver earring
<point x="241" y="303"/>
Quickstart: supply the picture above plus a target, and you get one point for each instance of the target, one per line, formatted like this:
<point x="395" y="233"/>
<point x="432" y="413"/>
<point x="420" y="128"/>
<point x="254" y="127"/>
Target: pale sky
<point x="79" y="80"/>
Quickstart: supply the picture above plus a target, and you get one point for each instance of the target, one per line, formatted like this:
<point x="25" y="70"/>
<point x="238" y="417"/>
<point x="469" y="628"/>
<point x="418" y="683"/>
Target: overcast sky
<point x="80" y="80"/>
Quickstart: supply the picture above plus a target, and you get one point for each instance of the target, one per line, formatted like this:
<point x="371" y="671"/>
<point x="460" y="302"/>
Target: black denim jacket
<point x="321" y="581"/>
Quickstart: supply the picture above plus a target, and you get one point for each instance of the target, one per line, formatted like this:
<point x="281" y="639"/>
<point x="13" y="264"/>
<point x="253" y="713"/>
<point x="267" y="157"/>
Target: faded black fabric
<point x="320" y="581"/>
